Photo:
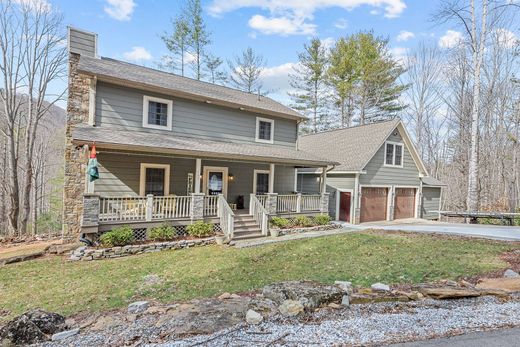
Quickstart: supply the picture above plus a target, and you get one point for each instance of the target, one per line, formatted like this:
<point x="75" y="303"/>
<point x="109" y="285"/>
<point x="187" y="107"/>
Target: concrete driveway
<point x="495" y="232"/>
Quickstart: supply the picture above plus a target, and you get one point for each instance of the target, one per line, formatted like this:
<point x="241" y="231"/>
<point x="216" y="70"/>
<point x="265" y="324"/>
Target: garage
<point x="404" y="206"/>
<point x="373" y="204"/>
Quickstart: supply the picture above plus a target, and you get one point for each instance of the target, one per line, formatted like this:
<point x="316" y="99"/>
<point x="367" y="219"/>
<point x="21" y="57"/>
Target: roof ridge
<point x="396" y="118"/>
<point x="189" y="78"/>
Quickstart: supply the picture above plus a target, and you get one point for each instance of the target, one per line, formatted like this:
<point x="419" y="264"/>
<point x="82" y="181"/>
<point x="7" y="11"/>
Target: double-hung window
<point x="264" y="130"/>
<point x="157" y="113"/>
<point x="394" y="154"/>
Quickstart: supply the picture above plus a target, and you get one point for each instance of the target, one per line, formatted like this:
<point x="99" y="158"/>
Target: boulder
<point x="506" y="284"/>
<point x="381" y="287"/>
<point x="32" y="327"/>
<point x="309" y="293"/>
<point x="138" y="306"/>
<point x="344" y="285"/>
<point x="511" y="274"/>
<point x="449" y="293"/>
<point x="345" y="300"/>
<point x="291" y="308"/>
<point x="64" y="334"/>
<point x="224" y="296"/>
<point x="253" y="317"/>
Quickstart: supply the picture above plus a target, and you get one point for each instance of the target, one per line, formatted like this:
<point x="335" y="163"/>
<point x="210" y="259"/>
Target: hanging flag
<point x="92" y="168"/>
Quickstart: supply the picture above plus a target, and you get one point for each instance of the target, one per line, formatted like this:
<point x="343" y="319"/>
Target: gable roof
<point x="189" y="146"/>
<point x="126" y="74"/>
<point x="354" y="147"/>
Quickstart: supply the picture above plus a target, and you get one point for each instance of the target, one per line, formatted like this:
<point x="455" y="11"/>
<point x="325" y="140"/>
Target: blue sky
<point x="129" y="29"/>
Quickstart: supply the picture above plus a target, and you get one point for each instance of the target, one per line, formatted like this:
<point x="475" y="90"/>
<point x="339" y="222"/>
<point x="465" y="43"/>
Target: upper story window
<point x="264" y="130"/>
<point x="157" y="113"/>
<point x="394" y="154"/>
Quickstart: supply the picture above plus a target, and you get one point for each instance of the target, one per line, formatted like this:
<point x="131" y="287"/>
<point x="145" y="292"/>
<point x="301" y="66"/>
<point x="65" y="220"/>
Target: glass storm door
<point x="215" y="181"/>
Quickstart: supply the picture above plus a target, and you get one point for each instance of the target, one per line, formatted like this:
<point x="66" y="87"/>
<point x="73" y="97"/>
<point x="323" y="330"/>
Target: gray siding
<point x="378" y="174"/>
<point x="122" y="108"/>
<point x="120" y="175"/>
<point x="82" y="43"/>
<point x="430" y="202"/>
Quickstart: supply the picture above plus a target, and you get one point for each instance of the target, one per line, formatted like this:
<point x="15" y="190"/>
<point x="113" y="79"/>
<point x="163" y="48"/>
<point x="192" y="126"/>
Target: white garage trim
<point x="388" y="199"/>
<point x="416" y="204"/>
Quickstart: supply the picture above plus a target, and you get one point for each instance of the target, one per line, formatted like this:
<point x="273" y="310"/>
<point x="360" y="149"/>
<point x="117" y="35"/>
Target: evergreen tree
<point x="246" y="70"/>
<point x="199" y="36"/>
<point x="213" y="66"/>
<point x="177" y="43"/>
<point x="309" y="80"/>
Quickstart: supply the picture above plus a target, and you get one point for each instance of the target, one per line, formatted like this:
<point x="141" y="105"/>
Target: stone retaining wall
<point x="307" y="229"/>
<point x="84" y="253"/>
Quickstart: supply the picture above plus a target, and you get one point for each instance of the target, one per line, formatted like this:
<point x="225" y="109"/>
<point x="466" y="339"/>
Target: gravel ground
<point x="373" y="324"/>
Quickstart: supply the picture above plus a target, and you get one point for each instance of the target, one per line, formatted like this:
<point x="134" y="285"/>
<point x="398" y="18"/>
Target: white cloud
<point x="451" y="39"/>
<point x="281" y="25"/>
<point x="400" y="54"/>
<point x="120" y="9"/>
<point x="294" y="17"/>
<point x="276" y="80"/>
<point x="328" y="42"/>
<point x="137" y="54"/>
<point x="341" y="23"/>
<point x="405" y="36"/>
<point x="506" y="38"/>
<point x="36" y="5"/>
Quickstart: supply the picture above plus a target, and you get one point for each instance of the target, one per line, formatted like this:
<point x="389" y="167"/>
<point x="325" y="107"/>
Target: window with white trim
<point x="394" y="154"/>
<point x="157" y="113"/>
<point x="261" y="182"/>
<point x="154" y="179"/>
<point x="264" y="130"/>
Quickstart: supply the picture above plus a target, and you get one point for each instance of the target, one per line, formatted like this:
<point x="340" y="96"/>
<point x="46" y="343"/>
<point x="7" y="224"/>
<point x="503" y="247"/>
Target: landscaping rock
<point x="224" y="296"/>
<point x="291" y="308"/>
<point x="344" y="285"/>
<point x="138" y="306"/>
<point x="310" y="294"/>
<point x="32" y="327"/>
<point x="64" y="334"/>
<point x="345" y="301"/>
<point x="449" y="293"/>
<point x="253" y="317"/>
<point x="511" y="274"/>
<point x="509" y="285"/>
<point x="334" y="305"/>
<point x="380" y="287"/>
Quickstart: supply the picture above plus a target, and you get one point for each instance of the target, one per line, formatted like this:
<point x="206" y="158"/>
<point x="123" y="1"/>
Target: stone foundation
<point x="84" y="253"/>
<point x="75" y="158"/>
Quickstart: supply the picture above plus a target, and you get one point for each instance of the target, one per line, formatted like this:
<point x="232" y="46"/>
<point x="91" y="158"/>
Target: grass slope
<point x="363" y="258"/>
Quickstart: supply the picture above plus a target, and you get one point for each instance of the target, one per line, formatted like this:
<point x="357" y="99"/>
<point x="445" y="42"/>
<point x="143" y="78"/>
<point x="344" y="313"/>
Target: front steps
<point x="246" y="228"/>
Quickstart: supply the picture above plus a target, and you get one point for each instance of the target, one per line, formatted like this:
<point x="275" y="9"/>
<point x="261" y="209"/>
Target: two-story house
<point x="175" y="149"/>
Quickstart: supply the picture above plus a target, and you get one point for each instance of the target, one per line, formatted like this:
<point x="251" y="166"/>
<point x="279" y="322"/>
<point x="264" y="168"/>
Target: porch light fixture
<point x="231" y="177"/>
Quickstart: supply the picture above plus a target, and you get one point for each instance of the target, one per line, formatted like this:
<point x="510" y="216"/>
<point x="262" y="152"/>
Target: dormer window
<point x="394" y="154"/>
<point x="157" y="113"/>
<point x="264" y="130"/>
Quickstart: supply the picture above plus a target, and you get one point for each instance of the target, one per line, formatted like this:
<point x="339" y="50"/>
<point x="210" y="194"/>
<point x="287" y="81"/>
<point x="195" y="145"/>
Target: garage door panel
<point x="404" y="206"/>
<point x="373" y="204"/>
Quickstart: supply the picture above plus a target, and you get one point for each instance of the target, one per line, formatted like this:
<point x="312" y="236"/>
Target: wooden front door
<point x="404" y="206"/>
<point x="373" y="204"/>
<point x="344" y="206"/>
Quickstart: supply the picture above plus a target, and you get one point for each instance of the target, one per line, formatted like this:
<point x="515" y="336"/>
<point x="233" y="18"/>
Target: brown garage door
<point x="373" y="204"/>
<point x="404" y="203"/>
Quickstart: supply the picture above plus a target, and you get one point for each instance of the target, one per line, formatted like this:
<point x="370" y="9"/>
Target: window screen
<point x="157" y="113"/>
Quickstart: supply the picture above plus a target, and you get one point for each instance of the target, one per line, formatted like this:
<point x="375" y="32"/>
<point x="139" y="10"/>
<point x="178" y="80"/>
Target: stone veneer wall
<point x="75" y="158"/>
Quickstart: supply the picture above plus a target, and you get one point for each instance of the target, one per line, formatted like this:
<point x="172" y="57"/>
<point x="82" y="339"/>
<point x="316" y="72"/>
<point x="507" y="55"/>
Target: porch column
<point x="271" y="178"/>
<point x="198" y="164"/>
<point x="90" y="218"/>
<point x="323" y="187"/>
<point x="270" y="203"/>
<point x="324" y="203"/>
<point x="197" y="206"/>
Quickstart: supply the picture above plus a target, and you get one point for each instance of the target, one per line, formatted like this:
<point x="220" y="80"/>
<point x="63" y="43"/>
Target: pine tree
<point x="309" y="81"/>
<point x="216" y="74"/>
<point x="177" y="43"/>
<point x="199" y="36"/>
<point x="246" y="70"/>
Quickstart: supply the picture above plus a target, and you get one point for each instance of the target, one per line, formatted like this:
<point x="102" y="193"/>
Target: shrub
<point x="200" y="229"/>
<point x="120" y="236"/>
<point x="280" y="222"/>
<point x="161" y="233"/>
<point x="322" y="219"/>
<point x="303" y="221"/>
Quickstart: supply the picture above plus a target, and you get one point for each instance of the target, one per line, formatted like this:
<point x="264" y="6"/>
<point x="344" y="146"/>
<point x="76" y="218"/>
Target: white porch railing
<point x="170" y="207"/>
<point x="297" y="203"/>
<point x="227" y="217"/>
<point x="262" y="199"/>
<point x="259" y="213"/>
<point x="122" y="209"/>
<point x="210" y="205"/>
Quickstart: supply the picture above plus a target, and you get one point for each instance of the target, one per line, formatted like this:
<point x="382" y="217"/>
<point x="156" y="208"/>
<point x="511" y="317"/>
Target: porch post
<point x="198" y="164"/>
<point x="271" y="178"/>
<point x="323" y="187"/>
<point x="90" y="218"/>
<point x="197" y="206"/>
<point x="298" y="202"/>
<point x="324" y="203"/>
<point x="149" y="207"/>
<point x="270" y="203"/>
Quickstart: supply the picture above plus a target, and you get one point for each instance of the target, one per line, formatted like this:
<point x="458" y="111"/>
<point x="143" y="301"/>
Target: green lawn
<point x="364" y="258"/>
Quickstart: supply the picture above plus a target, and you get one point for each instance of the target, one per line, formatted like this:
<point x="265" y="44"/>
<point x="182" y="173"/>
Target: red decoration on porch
<point x="93" y="152"/>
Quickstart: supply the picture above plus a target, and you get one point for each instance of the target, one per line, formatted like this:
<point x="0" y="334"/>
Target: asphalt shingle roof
<point x="352" y="147"/>
<point x="106" y="68"/>
<point x="134" y="140"/>
<point x="431" y="181"/>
